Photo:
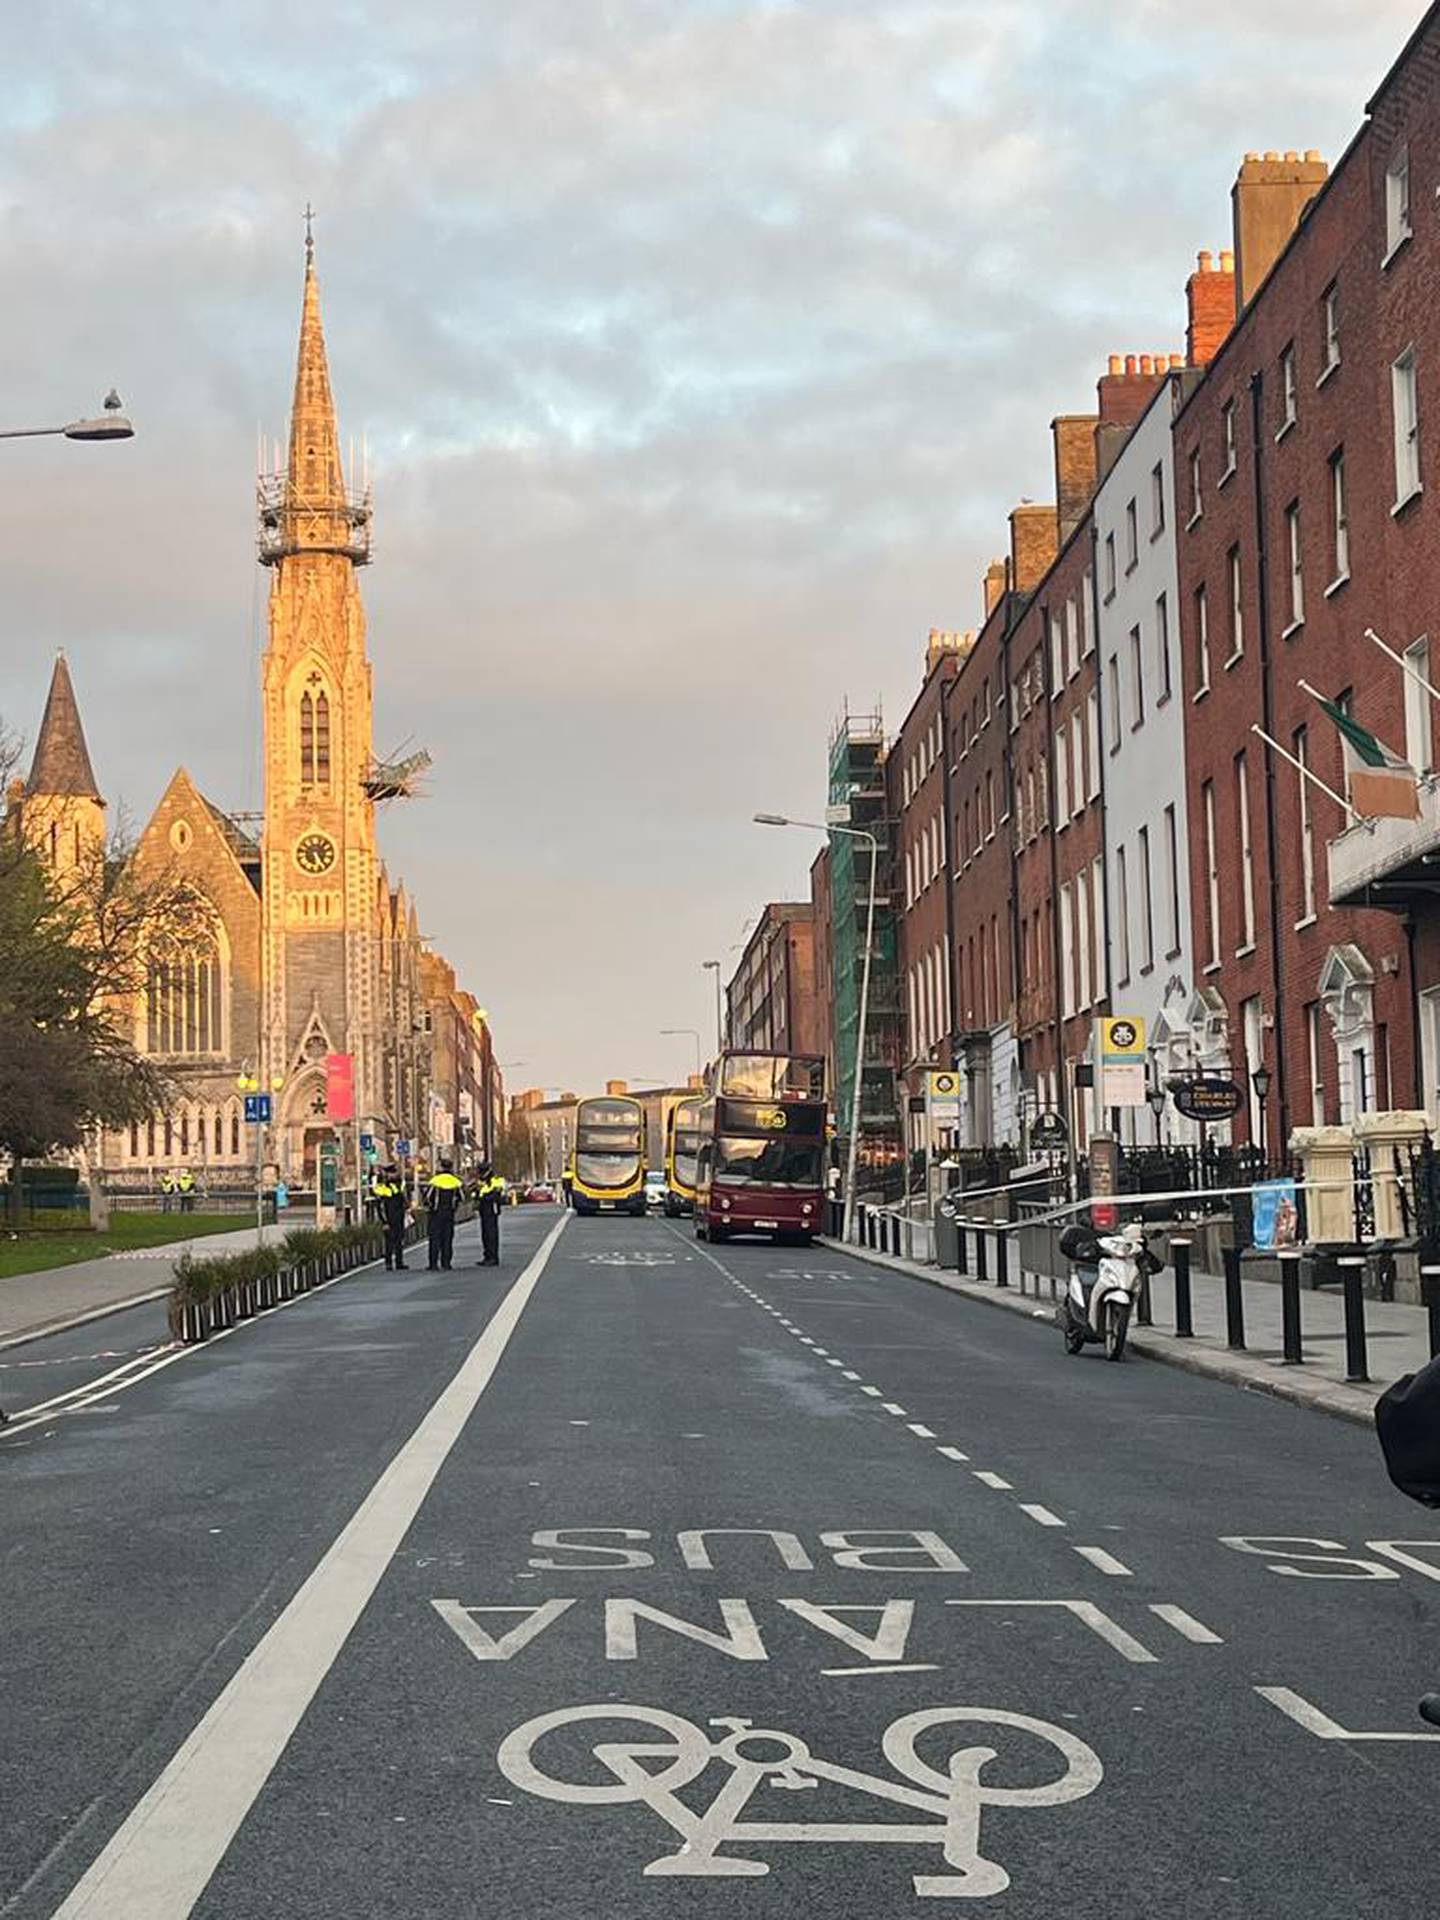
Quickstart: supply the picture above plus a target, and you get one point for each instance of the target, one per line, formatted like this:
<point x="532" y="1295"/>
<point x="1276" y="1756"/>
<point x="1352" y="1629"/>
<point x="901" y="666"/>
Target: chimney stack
<point x="1270" y="196"/>
<point x="1124" y="393"/>
<point x="994" y="587"/>
<point x="1074" y="437"/>
<point x="1034" y="543"/>
<point x="1210" y="297"/>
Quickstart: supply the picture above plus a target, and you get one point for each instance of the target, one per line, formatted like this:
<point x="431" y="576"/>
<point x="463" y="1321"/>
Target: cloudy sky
<point x="701" y="346"/>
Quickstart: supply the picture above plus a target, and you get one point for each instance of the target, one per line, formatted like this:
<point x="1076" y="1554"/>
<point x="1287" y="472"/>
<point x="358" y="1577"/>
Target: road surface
<point x="647" y="1578"/>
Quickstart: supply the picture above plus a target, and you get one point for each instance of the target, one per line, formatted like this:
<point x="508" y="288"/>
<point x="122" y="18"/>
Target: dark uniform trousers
<point x="441" y="1198"/>
<point x="392" y="1217"/>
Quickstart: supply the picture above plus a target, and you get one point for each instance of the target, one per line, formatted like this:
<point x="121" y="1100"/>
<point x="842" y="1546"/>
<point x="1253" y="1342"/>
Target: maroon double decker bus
<point x="761" y="1161"/>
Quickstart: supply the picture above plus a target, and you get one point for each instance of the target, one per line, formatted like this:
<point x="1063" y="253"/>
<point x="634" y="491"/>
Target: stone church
<point x="289" y="945"/>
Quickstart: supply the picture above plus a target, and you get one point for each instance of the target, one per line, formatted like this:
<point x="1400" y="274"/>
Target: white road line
<point x="919" y="1666"/>
<point x="848" y="1374"/>
<point x="994" y="1480"/>
<point x="1320" y="1724"/>
<point x="822" y="1353"/>
<point x="890" y="1407"/>
<point x="1098" y="1621"/>
<point x="921" y="1432"/>
<point x="1185" y="1624"/>
<point x="1106" y="1562"/>
<point x="1042" y="1516"/>
<point x="832" y="1362"/>
<point x="158" y="1864"/>
<point x="952" y="1453"/>
<point x="874" y="1392"/>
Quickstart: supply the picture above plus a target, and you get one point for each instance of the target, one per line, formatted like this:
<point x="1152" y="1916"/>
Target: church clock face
<point x="315" y="853"/>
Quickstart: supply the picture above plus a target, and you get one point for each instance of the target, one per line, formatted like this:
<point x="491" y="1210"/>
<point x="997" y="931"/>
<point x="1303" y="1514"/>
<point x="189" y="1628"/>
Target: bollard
<point x="962" y="1256"/>
<point x="1290" y="1306"/>
<point x="980" y="1273"/>
<point x="1352" y="1278"/>
<point x="1144" y="1307"/>
<point x="1180" y="1255"/>
<point x="1234" y="1302"/>
<point x="1430" y="1294"/>
<point x="1002" y="1259"/>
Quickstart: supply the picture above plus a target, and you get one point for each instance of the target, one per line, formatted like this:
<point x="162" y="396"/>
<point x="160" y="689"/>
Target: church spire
<point x="61" y="767"/>
<point x="308" y="508"/>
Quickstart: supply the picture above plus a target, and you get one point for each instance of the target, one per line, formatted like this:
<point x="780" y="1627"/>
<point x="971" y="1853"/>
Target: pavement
<point x="32" y="1303"/>
<point x="645" y="1578"/>
<point x="1397" y="1334"/>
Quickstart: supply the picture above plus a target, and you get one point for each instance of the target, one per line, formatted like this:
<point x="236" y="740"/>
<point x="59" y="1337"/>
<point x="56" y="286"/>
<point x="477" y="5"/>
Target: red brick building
<point x="917" y="783"/>
<point x="983" y="1043"/>
<point x="1301" y="459"/>
<point x="771" y="1002"/>
<point x="821" y="907"/>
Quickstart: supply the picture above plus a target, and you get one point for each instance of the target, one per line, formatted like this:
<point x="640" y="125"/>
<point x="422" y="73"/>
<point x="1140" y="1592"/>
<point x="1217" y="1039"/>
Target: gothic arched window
<point x="322" y="739"/>
<point x="307" y="740"/>
<point x="185" y="989"/>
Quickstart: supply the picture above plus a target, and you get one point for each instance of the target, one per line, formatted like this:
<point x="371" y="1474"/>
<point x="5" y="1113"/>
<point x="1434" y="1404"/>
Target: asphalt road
<point x="646" y="1578"/>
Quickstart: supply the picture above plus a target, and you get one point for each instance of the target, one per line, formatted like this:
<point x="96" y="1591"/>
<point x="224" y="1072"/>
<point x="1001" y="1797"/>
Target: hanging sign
<point x="339" y="1086"/>
<point x="1048" y="1133"/>
<point x="1208" y="1100"/>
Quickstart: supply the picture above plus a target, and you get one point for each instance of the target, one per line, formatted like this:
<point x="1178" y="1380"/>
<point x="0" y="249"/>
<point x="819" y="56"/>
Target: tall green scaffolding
<point x="857" y="797"/>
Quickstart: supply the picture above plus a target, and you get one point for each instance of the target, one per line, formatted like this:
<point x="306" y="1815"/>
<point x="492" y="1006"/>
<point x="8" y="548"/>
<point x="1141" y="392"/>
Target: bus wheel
<point x="719" y="1233"/>
<point x="700" y="1233"/>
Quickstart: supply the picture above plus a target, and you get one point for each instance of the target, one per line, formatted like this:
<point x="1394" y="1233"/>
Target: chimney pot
<point x="1292" y="156"/>
<point x="1313" y="155"/>
<point x="1251" y="156"/>
<point x="1176" y="360"/>
<point x="1206" y="261"/>
<point x="1147" y="363"/>
<point x="1271" y="154"/>
<point x="1130" y="363"/>
<point x="1227" y="260"/>
<point x="1117" y="365"/>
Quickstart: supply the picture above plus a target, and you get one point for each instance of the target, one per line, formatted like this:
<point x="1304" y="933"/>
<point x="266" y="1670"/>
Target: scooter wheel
<point x="1117" y="1325"/>
<point x="1074" y="1341"/>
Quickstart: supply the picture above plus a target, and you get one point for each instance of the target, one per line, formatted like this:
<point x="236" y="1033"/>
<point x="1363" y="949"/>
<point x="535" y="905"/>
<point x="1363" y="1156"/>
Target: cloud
<point x="701" y="346"/>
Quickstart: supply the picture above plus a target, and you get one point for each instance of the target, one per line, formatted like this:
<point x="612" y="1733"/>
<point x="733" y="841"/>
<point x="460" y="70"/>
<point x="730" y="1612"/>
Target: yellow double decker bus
<point x="682" y="1149"/>
<point x="607" y="1169"/>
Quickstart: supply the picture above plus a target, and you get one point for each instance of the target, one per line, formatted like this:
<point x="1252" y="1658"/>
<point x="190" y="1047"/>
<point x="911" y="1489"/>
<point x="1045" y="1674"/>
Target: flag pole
<point x="1304" y="771"/>
<point x="1403" y="664"/>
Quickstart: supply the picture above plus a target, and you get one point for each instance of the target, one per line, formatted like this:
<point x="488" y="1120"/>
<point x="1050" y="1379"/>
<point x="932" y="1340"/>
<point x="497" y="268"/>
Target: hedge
<point x="213" y="1291"/>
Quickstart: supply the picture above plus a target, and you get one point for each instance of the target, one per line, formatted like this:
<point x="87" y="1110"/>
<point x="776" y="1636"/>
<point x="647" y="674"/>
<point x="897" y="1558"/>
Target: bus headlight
<point x="807" y="1208"/>
<point x="725" y="1206"/>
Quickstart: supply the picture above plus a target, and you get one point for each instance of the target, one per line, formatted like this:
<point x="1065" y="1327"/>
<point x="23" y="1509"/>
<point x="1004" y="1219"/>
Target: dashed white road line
<point x="1042" y="1516"/>
<point x="994" y="1480"/>
<point x="849" y="1375"/>
<point x="1106" y="1562"/>
<point x="918" y="1666"/>
<point x="952" y="1453"/>
<point x="920" y="1431"/>
<point x="1186" y="1625"/>
<point x="891" y="1407"/>
<point x="834" y="1363"/>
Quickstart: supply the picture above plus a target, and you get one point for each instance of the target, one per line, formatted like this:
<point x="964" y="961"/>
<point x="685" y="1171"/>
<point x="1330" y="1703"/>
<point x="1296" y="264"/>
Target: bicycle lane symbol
<point x="952" y="1800"/>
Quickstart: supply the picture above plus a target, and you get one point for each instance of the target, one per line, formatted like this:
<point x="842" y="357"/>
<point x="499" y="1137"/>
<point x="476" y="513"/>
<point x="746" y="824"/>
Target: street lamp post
<point x="713" y="966"/>
<point x="1260" y="1081"/>
<point x="849" y="833"/>
<point x="1156" y="1099"/>
<point x="110" y="425"/>
<point x="695" y="1036"/>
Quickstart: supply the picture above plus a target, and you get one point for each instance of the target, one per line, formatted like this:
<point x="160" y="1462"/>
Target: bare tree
<point x="74" y="951"/>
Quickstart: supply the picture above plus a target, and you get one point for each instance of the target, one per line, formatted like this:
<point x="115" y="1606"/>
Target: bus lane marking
<point x="1315" y="1720"/>
<point x="158" y="1863"/>
<point x="1185" y="1624"/>
<point x="1085" y="1611"/>
<point x="1106" y="1562"/>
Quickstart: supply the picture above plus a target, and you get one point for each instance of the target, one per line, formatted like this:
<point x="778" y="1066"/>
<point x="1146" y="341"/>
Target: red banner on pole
<point x="340" y="1086"/>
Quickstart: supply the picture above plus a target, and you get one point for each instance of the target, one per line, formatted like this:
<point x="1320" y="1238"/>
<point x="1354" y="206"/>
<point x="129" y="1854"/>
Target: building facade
<point x="289" y="963"/>
<point x="771" y="999"/>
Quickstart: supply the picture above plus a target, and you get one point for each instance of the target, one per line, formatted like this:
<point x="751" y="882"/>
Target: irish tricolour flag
<point x="1382" y="785"/>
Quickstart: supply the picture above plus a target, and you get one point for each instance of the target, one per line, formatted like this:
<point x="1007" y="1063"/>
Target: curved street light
<point x="112" y="424"/>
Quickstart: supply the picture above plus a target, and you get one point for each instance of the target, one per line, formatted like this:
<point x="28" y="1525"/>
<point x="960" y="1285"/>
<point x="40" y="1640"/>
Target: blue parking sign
<point x="402" y="1147"/>
<point x="257" y="1109"/>
<point x="367" y="1142"/>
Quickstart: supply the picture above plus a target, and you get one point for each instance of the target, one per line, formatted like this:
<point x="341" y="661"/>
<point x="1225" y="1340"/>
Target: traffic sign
<point x="257" y="1109"/>
<point x="404" y="1148"/>
<point x="1122" y="1060"/>
<point x="367" y="1142"/>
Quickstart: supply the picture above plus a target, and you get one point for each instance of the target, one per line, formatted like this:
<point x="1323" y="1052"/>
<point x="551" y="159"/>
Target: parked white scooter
<point x="1104" y="1285"/>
